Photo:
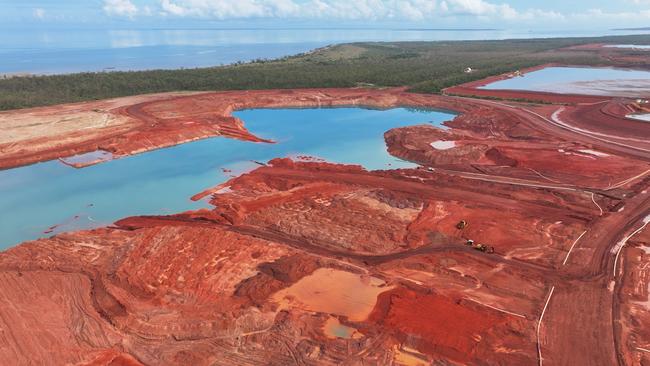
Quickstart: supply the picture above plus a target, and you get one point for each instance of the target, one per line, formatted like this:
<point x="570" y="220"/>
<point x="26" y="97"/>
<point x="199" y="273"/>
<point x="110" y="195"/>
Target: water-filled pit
<point x="51" y="197"/>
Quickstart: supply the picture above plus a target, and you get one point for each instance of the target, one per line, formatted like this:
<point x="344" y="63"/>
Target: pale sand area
<point x="443" y="145"/>
<point x="639" y="117"/>
<point x="63" y="120"/>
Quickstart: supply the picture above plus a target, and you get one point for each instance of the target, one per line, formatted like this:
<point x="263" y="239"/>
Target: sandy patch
<point x="443" y="145"/>
<point x="639" y="117"/>
<point x="409" y="357"/>
<point x="27" y="126"/>
<point x="64" y="119"/>
<point x="333" y="291"/>
<point x="594" y="152"/>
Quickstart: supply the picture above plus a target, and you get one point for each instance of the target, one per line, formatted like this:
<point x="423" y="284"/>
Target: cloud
<point x="485" y="11"/>
<point x="477" y="8"/>
<point x="39" y="13"/>
<point x="222" y="9"/>
<point x="345" y="9"/>
<point x="123" y="8"/>
<point x="170" y="8"/>
<point x="602" y="17"/>
<point x="146" y="11"/>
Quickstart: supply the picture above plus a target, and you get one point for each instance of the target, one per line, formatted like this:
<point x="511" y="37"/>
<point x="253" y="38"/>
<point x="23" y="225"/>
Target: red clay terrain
<point x="311" y="263"/>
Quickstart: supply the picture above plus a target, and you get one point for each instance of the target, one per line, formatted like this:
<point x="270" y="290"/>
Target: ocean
<point x="83" y="50"/>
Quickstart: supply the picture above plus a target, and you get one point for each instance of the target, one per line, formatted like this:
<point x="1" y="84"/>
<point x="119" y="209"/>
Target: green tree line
<point x="425" y="67"/>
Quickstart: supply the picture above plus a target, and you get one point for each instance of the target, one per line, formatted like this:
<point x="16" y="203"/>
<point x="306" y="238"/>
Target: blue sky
<point x="560" y="14"/>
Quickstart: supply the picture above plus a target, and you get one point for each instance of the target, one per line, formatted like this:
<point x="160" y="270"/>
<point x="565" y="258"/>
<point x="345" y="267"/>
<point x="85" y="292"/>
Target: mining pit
<point x="522" y="242"/>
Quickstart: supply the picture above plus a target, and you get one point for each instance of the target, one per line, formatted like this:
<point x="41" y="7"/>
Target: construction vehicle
<point x="461" y="225"/>
<point x="480" y="247"/>
<point x="484" y="248"/>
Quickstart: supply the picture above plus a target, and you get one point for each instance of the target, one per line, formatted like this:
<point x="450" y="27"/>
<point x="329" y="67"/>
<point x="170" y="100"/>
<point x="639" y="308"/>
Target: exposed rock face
<point x="149" y="292"/>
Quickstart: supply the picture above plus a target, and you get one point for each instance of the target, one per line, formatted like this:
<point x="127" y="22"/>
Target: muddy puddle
<point x="334" y="329"/>
<point x="334" y="292"/>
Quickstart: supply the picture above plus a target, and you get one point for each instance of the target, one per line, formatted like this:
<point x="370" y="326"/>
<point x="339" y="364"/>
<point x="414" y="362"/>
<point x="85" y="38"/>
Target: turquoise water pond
<point x="35" y="198"/>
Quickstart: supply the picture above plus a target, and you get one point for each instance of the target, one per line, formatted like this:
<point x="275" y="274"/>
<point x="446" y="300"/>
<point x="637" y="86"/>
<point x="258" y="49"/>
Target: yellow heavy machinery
<point x="480" y="247"/>
<point x="484" y="248"/>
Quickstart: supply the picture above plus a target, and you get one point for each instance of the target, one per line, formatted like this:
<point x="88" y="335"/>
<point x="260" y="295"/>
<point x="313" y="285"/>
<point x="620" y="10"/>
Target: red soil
<point x="198" y="287"/>
<point x="454" y="330"/>
<point x="606" y="118"/>
<point x="507" y="144"/>
<point x="633" y="289"/>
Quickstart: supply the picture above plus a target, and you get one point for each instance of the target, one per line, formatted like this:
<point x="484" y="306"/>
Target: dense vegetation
<point x="423" y="66"/>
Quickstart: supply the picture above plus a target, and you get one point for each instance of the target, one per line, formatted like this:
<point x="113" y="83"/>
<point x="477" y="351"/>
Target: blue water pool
<point x="37" y="197"/>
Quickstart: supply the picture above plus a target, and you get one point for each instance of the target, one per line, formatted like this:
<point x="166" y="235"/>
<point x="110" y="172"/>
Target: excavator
<point x="480" y="247"/>
<point x="484" y="248"/>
